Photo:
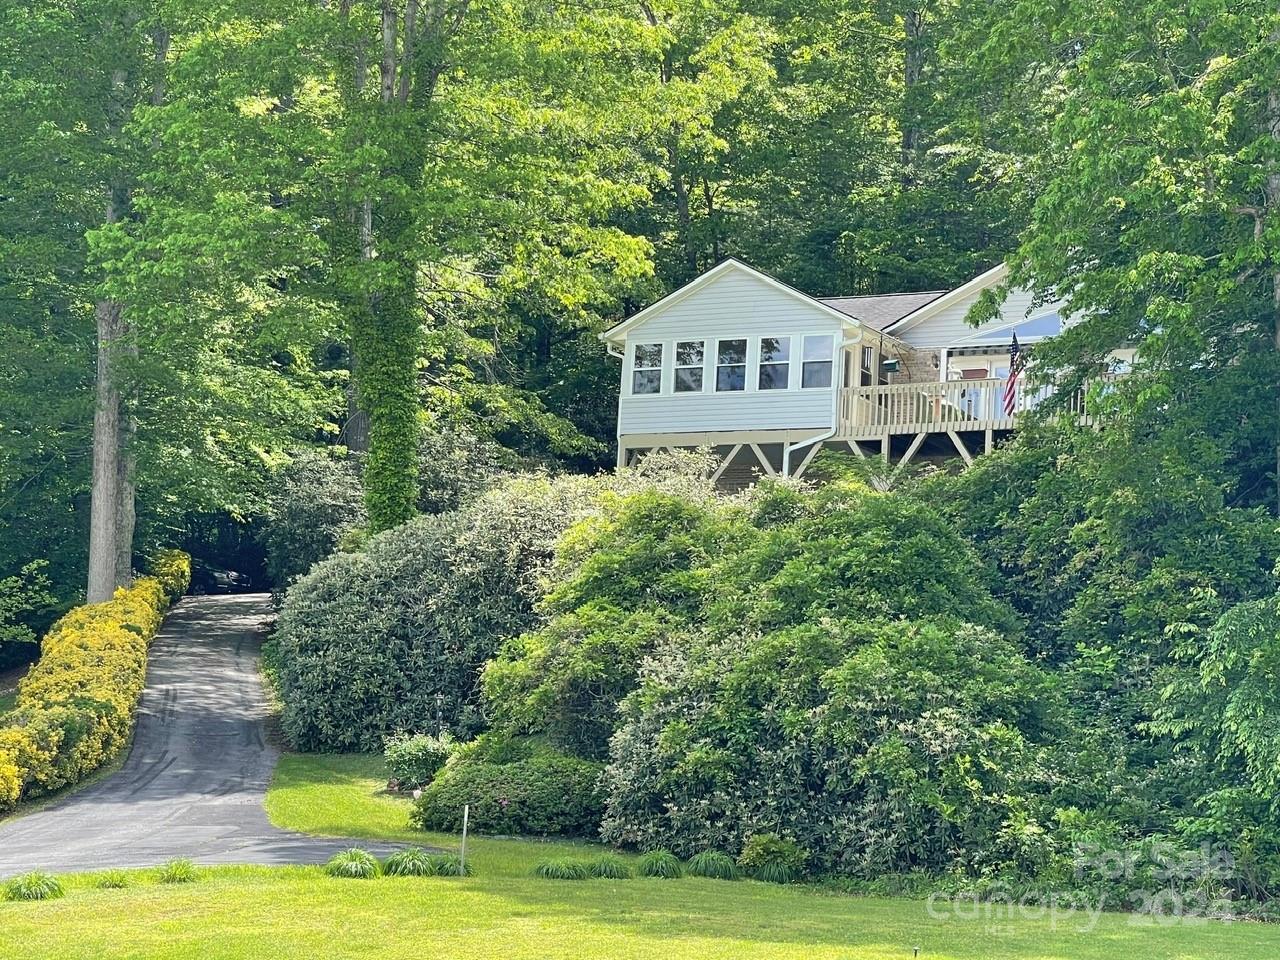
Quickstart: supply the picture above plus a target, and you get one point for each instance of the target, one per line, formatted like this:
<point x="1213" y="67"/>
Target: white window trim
<point x="629" y="380"/>
<point x="748" y="364"/>
<point x="790" y="361"/>
<point x="707" y="387"/>
<point x="710" y="364"/>
<point x="835" y="374"/>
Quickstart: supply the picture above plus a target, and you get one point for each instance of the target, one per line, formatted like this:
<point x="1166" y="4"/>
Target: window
<point x="689" y="356"/>
<point x="815" y="371"/>
<point x="775" y="362"/>
<point x="864" y="369"/>
<point x="646" y="368"/>
<point x="731" y="365"/>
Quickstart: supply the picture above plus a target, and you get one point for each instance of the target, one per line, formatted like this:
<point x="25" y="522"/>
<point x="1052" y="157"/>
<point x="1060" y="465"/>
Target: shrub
<point x="532" y="791"/>
<point x="395" y="638"/>
<point x="75" y="707"/>
<point x="713" y="865"/>
<point x="449" y="865"/>
<point x="660" y="863"/>
<point x="768" y="857"/>
<point x="631" y="584"/>
<point x="312" y="504"/>
<point x="177" y="871"/>
<point x="33" y="886"/>
<point x="173" y="569"/>
<point x="413" y="862"/>
<point x="112" y="880"/>
<point x="414" y="759"/>
<point x="842" y="730"/>
<point x="353" y="864"/>
<point x="561" y="868"/>
<point x="608" y="867"/>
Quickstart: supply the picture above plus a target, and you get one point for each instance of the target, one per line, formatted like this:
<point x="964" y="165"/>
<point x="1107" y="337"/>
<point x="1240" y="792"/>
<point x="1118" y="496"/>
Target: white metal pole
<point x="462" y="853"/>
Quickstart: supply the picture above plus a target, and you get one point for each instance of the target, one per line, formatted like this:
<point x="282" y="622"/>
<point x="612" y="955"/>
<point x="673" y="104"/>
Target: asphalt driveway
<point x="194" y="781"/>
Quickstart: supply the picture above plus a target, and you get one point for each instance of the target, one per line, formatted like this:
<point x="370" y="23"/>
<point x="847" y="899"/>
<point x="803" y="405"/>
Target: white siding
<point x="948" y="328"/>
<point x="735" y="305"/>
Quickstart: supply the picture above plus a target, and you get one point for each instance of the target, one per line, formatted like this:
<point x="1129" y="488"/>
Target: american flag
<point x="1017" y="360"/>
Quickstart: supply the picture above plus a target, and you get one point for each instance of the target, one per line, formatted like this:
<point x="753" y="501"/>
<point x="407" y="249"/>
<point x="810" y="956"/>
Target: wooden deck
<point x="952" y="406"/>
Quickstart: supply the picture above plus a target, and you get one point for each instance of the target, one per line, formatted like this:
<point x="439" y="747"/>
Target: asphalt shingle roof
<point x="881" y="310"/>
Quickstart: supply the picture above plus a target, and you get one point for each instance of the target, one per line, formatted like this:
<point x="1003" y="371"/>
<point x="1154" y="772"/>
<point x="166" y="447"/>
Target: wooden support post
<point x="961" y="448"/>
<point x="911" y="452"/>
<point x="856" y="449"/>
<point x="991" y="439"/>
<point x="715" y="477"/>
<point x="764" y="461"/>
<point x="884" y="448"/>
<point x="808" y="458"/>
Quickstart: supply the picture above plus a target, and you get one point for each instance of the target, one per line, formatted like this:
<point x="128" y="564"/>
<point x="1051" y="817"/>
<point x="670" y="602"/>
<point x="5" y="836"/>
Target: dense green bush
<point x="513" y="788"/>
<point x="768" y="857"/>
<point x="414" y="759"/>
<point x="313" y="503"/>
<point x="394" y="638"/>
<point x="24" y="598"/>
<point x="876" y="745"/>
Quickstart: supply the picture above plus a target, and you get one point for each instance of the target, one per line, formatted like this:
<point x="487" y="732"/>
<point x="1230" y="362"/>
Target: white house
<point x="767" y="375"/>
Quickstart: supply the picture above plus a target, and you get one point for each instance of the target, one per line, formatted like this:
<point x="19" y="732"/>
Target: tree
<point x="1156" y="217"/>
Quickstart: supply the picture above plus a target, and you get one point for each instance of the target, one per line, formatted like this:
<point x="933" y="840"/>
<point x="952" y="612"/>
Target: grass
<point x="7" y="699"/>
<point x="258" y="913"/>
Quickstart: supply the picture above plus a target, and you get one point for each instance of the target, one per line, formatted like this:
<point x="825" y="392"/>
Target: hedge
<point x="75" y="708"/>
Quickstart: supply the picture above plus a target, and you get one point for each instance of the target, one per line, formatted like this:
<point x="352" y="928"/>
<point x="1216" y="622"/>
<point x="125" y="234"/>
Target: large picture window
<point x="689" y="358"/>
<point x="775" y="363"/>
<point x="646" y="368"/>
<point x="815" y="371"/>
<point x="731" y="365"/>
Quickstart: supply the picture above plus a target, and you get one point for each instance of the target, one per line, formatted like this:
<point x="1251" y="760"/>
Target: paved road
<point x="194" y="781"/>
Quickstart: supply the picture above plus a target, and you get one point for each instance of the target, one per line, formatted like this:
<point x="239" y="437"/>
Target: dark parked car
<point x="207" y="579"/>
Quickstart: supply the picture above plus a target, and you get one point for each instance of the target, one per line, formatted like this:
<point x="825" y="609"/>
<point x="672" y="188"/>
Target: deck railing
<point x="869" y="412"/>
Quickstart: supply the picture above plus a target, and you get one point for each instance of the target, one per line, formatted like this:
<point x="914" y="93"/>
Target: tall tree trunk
<point x="913" y="54"/>
<point x="109" y="468"/>
<point x="104" y="502"/>
<point x="1272" y="209"/>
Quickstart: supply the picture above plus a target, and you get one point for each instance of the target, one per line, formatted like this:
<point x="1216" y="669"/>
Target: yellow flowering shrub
<point x="75" y="707"/>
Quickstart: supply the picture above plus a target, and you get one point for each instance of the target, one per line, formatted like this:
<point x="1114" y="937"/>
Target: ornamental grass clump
<point x="112" y="880"/>
<point x="413" y="862"/>
<point x="561" y="868"/>
<point x="352" y="864"/>
<point x="713" y="865"/>
<point x="662" y="864"/>
<point x="33" y="886"/>
<point x="178" y="871"/>
<point x="609" y="867"/>
<point x="768" y="857"/>
<point x="449" y="865"/>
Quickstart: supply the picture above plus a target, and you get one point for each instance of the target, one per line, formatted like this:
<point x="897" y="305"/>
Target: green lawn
<point x="7" y="699"/>
<point x="238" y="913"/>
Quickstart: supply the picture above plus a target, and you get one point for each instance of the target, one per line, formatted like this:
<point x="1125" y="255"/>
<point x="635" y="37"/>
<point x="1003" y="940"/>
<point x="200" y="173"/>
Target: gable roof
<point x="617" y="333"/>
<point x="882" y="310"/>
<point x="951" y="297"/>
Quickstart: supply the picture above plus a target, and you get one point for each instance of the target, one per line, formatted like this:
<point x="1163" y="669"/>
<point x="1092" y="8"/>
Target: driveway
<point x="194" y="781"/>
